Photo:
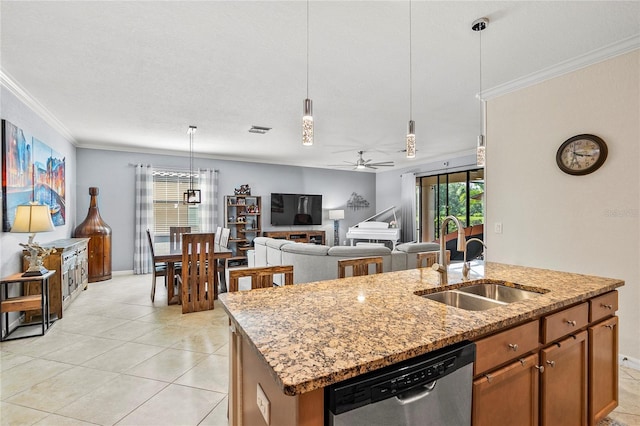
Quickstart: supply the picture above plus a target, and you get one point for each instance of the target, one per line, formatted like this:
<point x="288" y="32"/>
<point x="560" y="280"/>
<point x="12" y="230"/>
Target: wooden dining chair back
<point x="359" y="266"/>
<point x="224" y="237"/>
<point x="159" y="269"/>
<point x="261" y="277"/>
<point x="175" y="234"/>
<point x="198" y="269"/>
<point x="427" y="258"/>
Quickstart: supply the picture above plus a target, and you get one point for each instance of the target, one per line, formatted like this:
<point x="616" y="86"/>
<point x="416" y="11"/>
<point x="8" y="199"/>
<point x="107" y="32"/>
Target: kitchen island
<point x="296" y="340"/>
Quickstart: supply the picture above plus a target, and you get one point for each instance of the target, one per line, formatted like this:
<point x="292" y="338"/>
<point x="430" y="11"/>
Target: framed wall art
<point x="31" y="171"/>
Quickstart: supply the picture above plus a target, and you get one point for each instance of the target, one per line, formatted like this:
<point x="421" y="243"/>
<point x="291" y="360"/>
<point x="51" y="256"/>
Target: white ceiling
<point x="133" y="75"/>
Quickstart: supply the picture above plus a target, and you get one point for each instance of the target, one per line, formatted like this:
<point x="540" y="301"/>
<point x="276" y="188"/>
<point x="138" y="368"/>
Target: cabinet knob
<point x="551" y="363"/>
<point x="571" y="323"/>
<point x="513" y="346"/>
<point x="610" y="326"/>
<point x="606" y="306"/>
<point x="540" y="368"/>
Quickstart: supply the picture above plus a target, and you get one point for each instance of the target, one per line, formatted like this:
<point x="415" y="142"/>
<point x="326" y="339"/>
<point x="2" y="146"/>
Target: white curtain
<point x="208" y="207"/>
<point x="408" y="203"/>
<point x="142" y="262"/>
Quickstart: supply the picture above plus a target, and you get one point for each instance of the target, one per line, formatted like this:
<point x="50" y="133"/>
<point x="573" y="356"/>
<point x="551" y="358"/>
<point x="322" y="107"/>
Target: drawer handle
<point x="513" y="346"/>
<point x="610" y="326"/>
<point x="540" y="368"/>
<point x="551" y="363"/>
<point x="606" y="306"/>
<point x="489" y="378"/>
<point x="523" y="361"/>
<point x="571" y="323"/>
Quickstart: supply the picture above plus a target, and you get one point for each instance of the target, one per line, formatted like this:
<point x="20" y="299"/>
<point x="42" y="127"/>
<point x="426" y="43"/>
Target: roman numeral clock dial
<point x="581" y="154"/>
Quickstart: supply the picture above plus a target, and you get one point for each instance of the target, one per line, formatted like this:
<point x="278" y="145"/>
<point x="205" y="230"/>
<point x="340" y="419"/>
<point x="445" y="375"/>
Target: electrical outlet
<point x="497" y="228"/>
<point x="263" y="403"/>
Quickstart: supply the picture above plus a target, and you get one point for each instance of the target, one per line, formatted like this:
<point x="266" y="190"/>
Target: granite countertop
<point x="316" y="334"/>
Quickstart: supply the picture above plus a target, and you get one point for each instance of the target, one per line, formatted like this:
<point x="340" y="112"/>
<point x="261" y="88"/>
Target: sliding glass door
<point x="460" y="194"/>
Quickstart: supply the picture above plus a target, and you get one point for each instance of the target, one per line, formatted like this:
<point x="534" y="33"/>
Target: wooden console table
<point x="25" y="303"/>
<point x="315" y="237"/>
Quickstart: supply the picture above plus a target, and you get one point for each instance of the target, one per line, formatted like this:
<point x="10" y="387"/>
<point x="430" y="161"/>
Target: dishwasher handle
<point x="416" y="394"/>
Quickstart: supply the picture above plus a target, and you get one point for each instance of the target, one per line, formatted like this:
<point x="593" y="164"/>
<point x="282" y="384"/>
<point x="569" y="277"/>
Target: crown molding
<point x="25" y="97"/>
<point x="602" y="54"/>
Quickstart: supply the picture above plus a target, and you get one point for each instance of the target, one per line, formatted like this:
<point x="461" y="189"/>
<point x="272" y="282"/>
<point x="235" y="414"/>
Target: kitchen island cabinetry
<point x="326" y="332"/>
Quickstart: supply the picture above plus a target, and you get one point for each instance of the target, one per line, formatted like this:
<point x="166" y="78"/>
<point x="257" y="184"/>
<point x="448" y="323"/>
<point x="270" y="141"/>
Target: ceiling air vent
<point x="259" y="129"/>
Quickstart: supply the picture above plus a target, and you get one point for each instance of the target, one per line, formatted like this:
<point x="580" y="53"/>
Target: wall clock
<point x="581" y="154"/>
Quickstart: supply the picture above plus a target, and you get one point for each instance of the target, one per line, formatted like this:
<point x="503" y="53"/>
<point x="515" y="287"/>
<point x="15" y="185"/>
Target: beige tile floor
<point x="117" y="358"/>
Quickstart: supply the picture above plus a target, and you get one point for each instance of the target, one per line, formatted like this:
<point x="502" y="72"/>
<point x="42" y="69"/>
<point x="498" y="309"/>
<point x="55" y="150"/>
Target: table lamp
<point x="32" y="218"/>
<point x="336" y="215"/>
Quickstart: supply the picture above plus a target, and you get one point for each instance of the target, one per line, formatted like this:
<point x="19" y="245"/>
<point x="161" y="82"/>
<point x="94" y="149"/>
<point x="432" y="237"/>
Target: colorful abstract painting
<point x="31" y="171"/>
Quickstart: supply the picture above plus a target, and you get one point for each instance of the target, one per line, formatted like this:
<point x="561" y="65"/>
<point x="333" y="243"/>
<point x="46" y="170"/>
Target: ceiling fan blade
<point x="383" y="164"/>
<point x="369" y="166"/>
<point x="341" y="165"/>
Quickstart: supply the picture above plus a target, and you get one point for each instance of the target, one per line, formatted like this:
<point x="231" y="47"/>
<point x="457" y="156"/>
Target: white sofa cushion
<point x="411" y="251"/>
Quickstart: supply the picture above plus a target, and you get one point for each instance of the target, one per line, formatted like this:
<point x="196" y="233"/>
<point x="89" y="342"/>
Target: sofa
<point x="312" y="262"/>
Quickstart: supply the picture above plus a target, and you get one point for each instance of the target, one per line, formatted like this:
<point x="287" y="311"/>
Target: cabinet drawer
<point x="603" y="306"/>
<point x="564" y="322"/>
<point x="502" y="347"/>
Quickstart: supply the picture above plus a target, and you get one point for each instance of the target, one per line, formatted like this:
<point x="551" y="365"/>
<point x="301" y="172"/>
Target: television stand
<point x="303" y="236"/>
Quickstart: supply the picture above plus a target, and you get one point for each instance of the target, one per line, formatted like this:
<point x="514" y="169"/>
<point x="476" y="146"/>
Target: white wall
<point x="112" y="173"/>
<point x="16" y="112"/>
<point x="586" y="224"/>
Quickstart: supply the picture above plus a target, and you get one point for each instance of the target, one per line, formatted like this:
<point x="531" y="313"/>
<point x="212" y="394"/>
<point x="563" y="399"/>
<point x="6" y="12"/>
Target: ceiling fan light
<point x="360" y="166"/>
<point x="307" y="123"/>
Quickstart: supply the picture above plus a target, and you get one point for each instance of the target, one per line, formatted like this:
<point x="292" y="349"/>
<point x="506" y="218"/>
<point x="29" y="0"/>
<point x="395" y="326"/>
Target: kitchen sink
<point x="469" y="302"/>
<point x="480" y="297"/>
<point x="499" y="292"/>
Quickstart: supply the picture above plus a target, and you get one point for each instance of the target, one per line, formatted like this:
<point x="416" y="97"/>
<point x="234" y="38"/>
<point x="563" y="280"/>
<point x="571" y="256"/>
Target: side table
<point x="24" y="303"/>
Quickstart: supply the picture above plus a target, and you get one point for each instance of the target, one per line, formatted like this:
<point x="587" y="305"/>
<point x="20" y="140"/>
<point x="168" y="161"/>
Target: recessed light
<point x="259" y="129"/>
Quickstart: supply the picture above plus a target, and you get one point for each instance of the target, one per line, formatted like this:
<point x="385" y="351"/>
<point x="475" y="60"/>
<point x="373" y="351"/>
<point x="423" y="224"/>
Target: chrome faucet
<point x="465" y="265"/>
<point x="462" y="246"/>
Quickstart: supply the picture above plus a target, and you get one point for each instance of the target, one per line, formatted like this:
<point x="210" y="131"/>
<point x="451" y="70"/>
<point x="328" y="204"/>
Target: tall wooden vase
<point x="99" y="232"/>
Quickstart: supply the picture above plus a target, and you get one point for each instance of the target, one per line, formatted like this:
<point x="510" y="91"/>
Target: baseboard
<point x="120" y="273"/>
<point x="628" y="361"/>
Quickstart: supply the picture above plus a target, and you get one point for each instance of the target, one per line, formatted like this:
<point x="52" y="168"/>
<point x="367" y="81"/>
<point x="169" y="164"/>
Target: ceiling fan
<point x="362" y="164"/>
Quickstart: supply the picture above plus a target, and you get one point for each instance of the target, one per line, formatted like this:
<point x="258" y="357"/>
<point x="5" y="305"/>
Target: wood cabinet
<point x="575" y="372"/>
<point x="516" y="383"/>
<point x="70" y="262"/>
<point x="243" y="217"/>
<point x="563" y="386"/>
<point x="314" y="237"/>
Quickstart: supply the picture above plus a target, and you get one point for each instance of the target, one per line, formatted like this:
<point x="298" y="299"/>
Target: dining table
<point x="171" y="253"/>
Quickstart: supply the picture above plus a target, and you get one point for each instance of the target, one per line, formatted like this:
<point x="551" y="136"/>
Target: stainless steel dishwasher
<point x="433" y="389"/>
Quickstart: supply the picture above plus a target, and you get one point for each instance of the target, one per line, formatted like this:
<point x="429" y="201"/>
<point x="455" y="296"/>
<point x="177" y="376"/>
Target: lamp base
<point x="38" y="272"/>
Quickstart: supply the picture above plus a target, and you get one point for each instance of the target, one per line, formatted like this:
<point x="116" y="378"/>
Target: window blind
<point x="168" y="209"/>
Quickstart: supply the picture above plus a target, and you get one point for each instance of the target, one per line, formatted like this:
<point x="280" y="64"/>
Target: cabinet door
<point x="508" y="396"/>
<point x="96" y="256"/>
<point x="603" y="369"/>
<point x="563" y="398"/>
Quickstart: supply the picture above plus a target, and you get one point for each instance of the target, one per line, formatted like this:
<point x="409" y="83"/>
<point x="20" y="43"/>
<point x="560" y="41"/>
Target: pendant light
<point x="479" y="25"/>
<point x="411" y="134"/>
<point x="191" y="196"/>
<point x="307" y="118"/>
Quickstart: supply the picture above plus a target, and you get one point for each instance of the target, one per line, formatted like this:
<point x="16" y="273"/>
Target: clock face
<point x="581" y="155"/>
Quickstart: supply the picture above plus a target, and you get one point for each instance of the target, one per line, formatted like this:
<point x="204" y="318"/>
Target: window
<point x="459" y="194"/>
<point x="168" y="209"/>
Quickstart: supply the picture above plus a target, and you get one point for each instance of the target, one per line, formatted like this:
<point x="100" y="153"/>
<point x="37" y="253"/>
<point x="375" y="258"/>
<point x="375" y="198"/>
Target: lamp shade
<point x="32" y="218"/>
<point x="336" y="214"/>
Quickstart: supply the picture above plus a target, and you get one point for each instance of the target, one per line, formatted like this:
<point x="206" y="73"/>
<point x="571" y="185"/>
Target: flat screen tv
<point x="296" y="209"/>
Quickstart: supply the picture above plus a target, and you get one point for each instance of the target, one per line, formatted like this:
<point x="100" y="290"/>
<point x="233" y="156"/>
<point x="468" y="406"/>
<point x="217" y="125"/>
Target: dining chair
<point x="224" y="237"/>
<point x="159" y="269"/>
<point x="261" y="277"/>
<point x="223" y="263"/>
<point x="175" y="234"/>
<point x="427" y="258"/>
<point x="359" y="266"/>
<point x="218" y="232"/>
<point x="197" y="279"/>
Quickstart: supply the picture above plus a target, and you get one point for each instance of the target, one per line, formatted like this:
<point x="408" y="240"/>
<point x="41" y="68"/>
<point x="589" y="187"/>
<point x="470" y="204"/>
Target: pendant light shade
<point x="411" y="140"/>
<point x="479" y="25"/>
<point x="411" y="134"/>
<point x="307" y="117"/>
<point x="191" y="196"/>
<point x="307" y="123"/>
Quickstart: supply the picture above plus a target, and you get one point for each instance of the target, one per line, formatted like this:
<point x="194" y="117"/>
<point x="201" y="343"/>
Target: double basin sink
<point x="483" y="296"/>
